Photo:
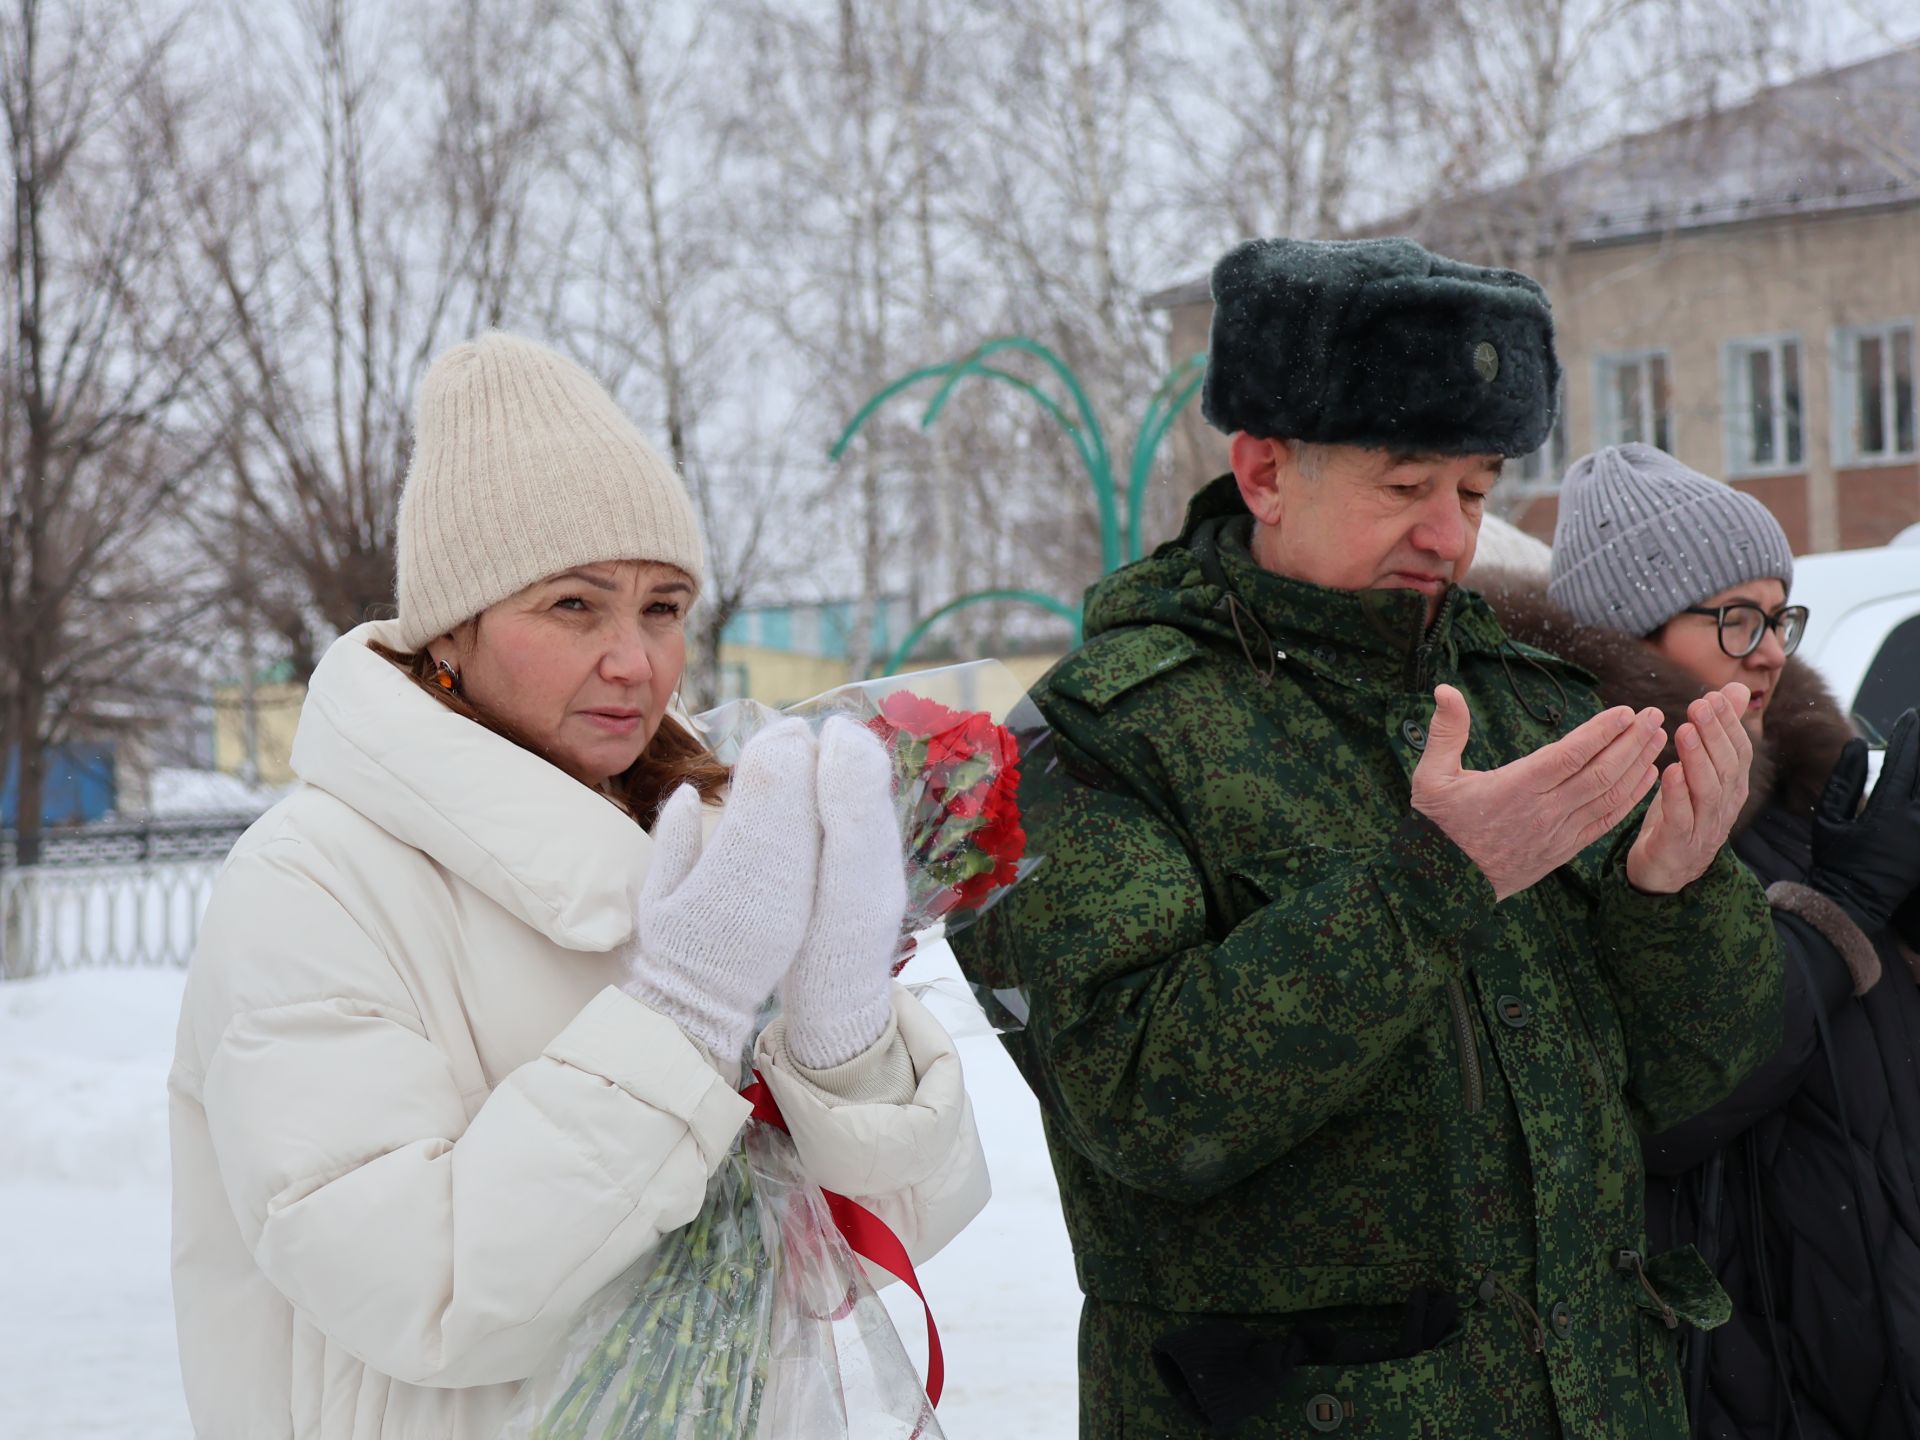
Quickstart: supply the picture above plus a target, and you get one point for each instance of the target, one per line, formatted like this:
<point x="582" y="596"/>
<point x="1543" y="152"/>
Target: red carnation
<point x="957" y="773"/>
<point x="916" y="714"/>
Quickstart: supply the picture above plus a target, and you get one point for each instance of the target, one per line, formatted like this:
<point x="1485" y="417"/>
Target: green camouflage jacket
<point x="1296" y="1063"/>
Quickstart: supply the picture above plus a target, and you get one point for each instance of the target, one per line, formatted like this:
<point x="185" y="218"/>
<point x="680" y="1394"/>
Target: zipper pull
<point x="1423" y="658"/>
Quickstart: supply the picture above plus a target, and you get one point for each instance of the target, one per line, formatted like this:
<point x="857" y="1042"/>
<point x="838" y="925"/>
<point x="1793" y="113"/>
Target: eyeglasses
<point x="1743" y="625"/>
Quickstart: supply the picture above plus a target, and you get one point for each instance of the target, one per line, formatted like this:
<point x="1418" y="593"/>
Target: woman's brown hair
<point x="674" y="757"/>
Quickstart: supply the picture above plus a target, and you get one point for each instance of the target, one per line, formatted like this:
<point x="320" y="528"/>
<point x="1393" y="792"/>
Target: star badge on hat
<point x="1486" y="361"/>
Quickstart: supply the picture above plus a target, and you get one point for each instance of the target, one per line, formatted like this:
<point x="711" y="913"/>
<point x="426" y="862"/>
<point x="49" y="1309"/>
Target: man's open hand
<point x="1525" y="820"/>
<point x="1701" y="795"/>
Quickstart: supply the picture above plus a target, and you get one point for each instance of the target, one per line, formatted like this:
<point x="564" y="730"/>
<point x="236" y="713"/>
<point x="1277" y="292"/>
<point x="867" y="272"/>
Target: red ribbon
<point x="867" y="1236"/>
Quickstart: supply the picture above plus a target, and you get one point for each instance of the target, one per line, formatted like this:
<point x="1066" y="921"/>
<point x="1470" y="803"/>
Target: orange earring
<point x="445" y="676"/>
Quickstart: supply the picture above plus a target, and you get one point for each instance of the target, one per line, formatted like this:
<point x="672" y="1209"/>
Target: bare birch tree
<point x="1304" y="100"/>
<point x="94" y="457"/>
<point x="845" y="118"/>
<point x="659" y="318"/>
<point x="344" y="251"/>
<point x="1072" y="212"/>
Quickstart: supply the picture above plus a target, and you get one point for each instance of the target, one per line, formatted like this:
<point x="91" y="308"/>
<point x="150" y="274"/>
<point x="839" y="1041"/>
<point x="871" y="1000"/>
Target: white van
<point x="1863" y="628"/>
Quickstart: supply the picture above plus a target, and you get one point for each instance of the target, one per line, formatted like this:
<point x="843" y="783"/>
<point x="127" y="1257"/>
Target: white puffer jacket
<point x="415" y="1127"/>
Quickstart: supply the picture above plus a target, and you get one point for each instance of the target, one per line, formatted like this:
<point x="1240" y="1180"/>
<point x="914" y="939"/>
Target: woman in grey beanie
<point x="462" y="1036"/>
<point x="1802" y="1188"/>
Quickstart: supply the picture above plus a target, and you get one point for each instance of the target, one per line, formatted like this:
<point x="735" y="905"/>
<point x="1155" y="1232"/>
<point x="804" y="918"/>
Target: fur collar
<point x="1805" y="725"/>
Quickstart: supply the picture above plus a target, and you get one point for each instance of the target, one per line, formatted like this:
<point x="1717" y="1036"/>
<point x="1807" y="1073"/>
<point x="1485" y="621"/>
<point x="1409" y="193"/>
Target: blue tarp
<point x="80" y="785"/>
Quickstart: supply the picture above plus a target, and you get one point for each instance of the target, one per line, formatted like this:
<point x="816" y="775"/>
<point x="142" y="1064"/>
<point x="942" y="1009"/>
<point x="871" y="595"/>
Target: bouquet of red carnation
<point x="956" y="736"/>
<point x="957" y="785"/>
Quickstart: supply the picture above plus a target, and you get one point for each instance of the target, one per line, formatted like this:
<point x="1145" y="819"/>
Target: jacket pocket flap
<point x="1687" y="1283"/>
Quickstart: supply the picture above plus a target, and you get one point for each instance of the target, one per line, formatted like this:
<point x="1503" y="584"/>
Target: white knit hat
<point x="523" y="467"/>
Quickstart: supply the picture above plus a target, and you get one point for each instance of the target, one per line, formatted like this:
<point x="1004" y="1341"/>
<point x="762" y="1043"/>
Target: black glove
<point x="1869" y="859"/>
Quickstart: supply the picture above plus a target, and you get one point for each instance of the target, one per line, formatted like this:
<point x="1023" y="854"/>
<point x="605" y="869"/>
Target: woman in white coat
<point x="461" y="1039"/>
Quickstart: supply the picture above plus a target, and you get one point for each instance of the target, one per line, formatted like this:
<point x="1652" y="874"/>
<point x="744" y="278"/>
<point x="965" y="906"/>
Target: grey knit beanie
<point x="1641" y="537"/>
<point x="522" y="467"/>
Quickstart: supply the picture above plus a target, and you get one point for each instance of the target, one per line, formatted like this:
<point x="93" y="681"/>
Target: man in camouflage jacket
<point x="1348" y="1003"/>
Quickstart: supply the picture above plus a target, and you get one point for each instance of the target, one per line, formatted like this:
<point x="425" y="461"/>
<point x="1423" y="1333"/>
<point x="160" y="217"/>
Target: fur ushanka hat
<point x="1379" y="343"/>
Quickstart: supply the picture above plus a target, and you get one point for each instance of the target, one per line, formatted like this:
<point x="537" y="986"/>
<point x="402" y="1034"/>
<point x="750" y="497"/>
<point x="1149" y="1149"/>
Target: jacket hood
<point x="1159" y="590"/>
<point x="559" y="856"/>
<point x="1805" y="728"/>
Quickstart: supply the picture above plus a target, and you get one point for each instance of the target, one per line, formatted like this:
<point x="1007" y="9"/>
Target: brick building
<point x="1741" y="288"/>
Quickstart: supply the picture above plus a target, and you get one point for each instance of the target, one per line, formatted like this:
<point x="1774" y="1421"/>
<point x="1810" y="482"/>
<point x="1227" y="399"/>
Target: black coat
<point x="1802" y="1188"/>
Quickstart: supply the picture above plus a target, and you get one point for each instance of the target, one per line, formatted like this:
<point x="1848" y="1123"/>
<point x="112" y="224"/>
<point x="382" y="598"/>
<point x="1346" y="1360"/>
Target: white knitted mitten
<point x="716" y="930"/>
<point x="838" y="996"/>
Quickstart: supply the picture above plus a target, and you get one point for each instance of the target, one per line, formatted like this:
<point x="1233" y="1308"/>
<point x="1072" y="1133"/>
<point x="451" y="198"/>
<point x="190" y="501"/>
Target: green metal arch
<point x="1118" y="545"/>
<point x="1052" y="361"/>
<point x="1090" y="446"/>
<point x="1176" y="392"/>
<point x="1089" y="440"/>
<point x="879" y="398"/>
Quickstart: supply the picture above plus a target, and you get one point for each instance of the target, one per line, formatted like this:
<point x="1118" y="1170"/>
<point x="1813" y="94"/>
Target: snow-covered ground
<point x="86" y="1320"/>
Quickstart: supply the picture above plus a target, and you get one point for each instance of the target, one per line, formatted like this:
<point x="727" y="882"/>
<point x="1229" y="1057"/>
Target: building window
<point x="804" y="631"/>
<point x="836" y="629"/>
<point x="1873" y="389"/>
<point x="1634" y="402"/>
<point x="1542" y="469"/>
<point x="1764" y="430"/>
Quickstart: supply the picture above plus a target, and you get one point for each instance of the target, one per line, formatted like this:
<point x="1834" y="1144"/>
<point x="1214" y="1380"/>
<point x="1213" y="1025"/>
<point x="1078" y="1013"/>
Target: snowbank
<point x="86" y="1311"/>
<point x="83" y="1076"/>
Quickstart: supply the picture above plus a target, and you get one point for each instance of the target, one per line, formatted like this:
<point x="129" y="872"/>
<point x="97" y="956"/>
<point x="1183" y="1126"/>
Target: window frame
<point x="1553" y="453"/>
<point x="1605" y="417"/>
<point x="1737" y="404"/>
<point x="804" y="629"/>
<point x="1842" y="372"/>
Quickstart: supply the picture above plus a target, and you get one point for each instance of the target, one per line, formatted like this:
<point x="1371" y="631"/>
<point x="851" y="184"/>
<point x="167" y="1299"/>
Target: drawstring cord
<point x="1553" y="716"/>
<point x="1205" y="547"/>
<point x="1630" y="1260"/>
<point x="1524" y="1315"/>
<point x="1268" y="665"/>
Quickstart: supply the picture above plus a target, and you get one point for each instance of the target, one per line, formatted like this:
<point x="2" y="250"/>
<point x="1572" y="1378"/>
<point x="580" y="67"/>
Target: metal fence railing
<point x="69" y="917"/>
<point x="206" y="836"/>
